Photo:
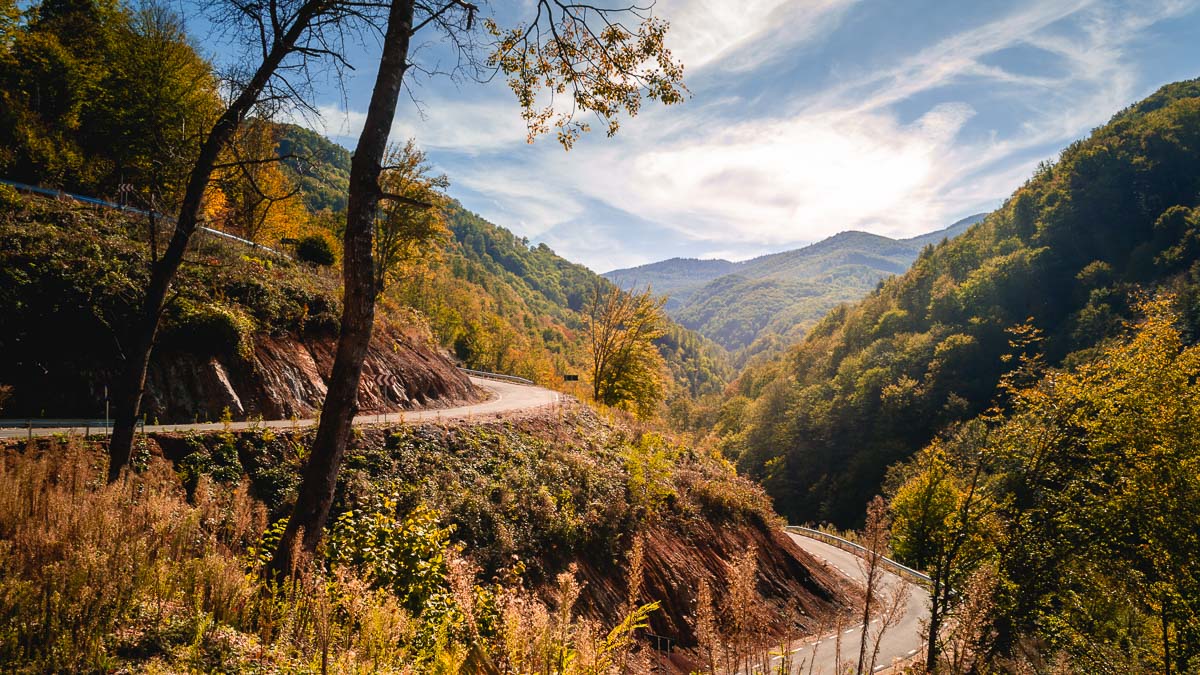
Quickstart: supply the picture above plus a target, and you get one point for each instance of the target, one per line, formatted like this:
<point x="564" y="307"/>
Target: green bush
<point x="315" y="249"/>
<point x="215" y="328"/>
<point x="10" y="199"/>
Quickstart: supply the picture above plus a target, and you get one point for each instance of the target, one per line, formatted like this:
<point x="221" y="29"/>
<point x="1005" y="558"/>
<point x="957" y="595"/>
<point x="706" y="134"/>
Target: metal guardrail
<point x="497" y="376"/>
<point x="18" y="423"/>
<point x="69" y="426"/>
<point x="129" y="209"/>
<point x="902" y="571"/>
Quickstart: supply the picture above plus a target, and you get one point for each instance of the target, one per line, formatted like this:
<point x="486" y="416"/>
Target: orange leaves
<point x="251" y="195"/>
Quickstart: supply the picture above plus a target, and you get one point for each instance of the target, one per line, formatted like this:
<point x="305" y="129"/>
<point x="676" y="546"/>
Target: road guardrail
<point x="129" y="209"/>
<point x="496" y="376"/>
<point x="902" y="571"/>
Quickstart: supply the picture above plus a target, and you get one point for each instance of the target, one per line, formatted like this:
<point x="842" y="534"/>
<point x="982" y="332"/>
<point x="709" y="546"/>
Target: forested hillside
<point x="758" y="306"/>
<point x="1067" y="256"/>
<point x="497" y="302"/>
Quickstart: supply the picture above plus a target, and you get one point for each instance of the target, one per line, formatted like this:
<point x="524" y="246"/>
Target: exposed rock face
<point x="795" y="587"/>
<point x="286" y="377"/>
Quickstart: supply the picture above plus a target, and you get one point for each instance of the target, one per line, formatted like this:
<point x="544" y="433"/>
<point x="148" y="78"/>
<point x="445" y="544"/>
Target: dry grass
<point x="97" y="577"/>
<point x="134" y="577"/>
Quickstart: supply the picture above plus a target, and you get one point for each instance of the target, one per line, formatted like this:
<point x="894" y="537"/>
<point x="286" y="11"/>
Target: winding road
<point x="505" y="398"/>
<point x="901" y="641"/>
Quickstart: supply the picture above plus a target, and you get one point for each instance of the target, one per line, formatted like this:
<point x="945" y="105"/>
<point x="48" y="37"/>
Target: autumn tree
<point x="942" y="524"/>
<point x="260" y="200"/>
<point x="406" y="229"/>
<point x="626" y="365"/>
<point x="593" y="53"/>
<point x="1097" y="470"/>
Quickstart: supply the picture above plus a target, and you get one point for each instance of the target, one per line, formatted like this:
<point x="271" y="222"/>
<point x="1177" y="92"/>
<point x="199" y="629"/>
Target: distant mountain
<point x="772" y="300"/>
<point x="676" y="278"/>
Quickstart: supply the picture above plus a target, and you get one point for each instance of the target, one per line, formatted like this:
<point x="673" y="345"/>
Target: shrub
<point x="215" y="328"/>
<point x="10" y="199"/>
<point x="315" y="249"/>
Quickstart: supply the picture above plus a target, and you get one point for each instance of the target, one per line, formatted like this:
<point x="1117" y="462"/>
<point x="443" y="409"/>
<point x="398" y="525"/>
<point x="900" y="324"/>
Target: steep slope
<point x="502" y="509"/>
<point x="757" y="304"/>
<point x="873" y="382"/>
<point x="248" y="334"/>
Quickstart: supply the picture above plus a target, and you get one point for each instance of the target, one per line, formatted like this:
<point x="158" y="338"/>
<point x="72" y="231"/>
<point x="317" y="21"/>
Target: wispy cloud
<point x="796" y="133"/>
<point x="743" y="35"/>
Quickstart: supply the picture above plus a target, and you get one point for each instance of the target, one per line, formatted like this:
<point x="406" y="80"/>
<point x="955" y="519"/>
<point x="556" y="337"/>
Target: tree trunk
<point x="935" y="627"/>
<point x="873" y="566"/>
<point x="315" y="496"/>
<point x="131" y="382"/>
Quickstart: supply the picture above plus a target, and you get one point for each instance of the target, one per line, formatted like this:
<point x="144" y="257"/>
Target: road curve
<point x="899" y="642"/>
<point x="505" y="398"/>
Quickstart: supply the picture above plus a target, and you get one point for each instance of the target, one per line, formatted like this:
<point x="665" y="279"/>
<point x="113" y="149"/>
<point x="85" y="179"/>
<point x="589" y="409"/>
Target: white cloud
<point x="723" y="177"/>
<point x="716" y="32"/>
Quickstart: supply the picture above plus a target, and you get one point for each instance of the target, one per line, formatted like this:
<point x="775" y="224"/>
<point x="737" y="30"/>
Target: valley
<point x="306" y="366"/>
<point x="761" y="305"/>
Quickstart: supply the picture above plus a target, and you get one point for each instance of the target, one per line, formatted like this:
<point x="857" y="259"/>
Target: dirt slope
<point x="286" y="377"/>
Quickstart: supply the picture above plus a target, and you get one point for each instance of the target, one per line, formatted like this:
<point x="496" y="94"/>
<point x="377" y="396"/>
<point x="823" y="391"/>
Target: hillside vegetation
<point x="758" y="306"/>
<point x="492" y="547"/>
<point x="246" y="331"/>
<point x="502" y="304"/>
<point x="1061" y="532"/>
<point x="1116" y="216"/>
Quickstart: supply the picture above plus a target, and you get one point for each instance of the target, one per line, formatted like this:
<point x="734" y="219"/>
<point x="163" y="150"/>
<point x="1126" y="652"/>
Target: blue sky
<point x="807" y="118"/>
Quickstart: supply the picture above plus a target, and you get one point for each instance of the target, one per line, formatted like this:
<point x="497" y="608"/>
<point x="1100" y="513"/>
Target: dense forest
<point x="1069" y="253"/>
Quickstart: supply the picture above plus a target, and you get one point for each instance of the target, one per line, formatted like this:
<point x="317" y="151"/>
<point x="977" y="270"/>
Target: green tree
<point x="406" y="229"/>
<point x="626" y="366"/>
<point x="158" y="96"/>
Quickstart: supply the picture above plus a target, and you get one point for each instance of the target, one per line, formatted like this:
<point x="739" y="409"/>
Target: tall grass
<point x="96" y="577"/>
<point x="133" y="576"/>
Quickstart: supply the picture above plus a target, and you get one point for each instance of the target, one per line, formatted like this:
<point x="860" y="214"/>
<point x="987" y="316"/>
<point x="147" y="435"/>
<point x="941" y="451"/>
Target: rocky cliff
<point x="246" y="331"/>
<point x="286" y="377"/>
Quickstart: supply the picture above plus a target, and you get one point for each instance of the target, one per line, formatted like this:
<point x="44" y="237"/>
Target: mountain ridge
<point x="745" y="306"/>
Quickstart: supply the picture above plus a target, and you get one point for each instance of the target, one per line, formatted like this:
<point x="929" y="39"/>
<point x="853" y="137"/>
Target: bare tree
<point x="587" y="50"/>
<point x="289" y="34"/>
<point x="875" y="541"/>
<point x="315" y="496"/>
<point x="893" y="605"/>
<point x="708" y="633"/>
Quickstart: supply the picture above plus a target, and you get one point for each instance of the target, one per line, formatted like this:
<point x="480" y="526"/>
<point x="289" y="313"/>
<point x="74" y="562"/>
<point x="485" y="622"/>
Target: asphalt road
<point x="899" y="642"/>
<point x="505" y="398"/>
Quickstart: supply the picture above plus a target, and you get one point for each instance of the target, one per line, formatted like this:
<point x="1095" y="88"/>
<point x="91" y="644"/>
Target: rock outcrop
<point x="286" y="377"/>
